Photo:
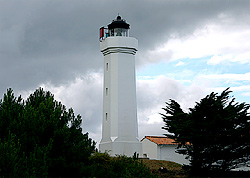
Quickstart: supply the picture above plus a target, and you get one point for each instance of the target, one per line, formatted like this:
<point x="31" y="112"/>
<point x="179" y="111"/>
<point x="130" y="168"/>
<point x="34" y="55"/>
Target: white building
<point x="119" y="126"/>
<point x="161" y="148"/>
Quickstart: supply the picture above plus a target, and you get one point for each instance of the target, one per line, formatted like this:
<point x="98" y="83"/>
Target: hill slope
<point x="172" y="170"/>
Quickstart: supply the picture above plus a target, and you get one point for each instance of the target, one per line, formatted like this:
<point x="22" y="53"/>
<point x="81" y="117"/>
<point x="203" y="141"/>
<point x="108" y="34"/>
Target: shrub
<point x="102" y="165"/>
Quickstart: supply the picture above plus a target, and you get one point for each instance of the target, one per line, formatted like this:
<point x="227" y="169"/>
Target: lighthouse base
<point x="121" y="148"/>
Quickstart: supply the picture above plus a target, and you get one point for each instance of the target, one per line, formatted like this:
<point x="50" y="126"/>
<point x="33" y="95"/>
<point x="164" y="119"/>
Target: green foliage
<point x="39" y="137"/>
<point x="216" y="130"/>
<point x="102" y="165"/>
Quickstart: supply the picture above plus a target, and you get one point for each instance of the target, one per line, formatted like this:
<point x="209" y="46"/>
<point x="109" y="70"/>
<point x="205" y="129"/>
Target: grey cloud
<point x="56" y="40"/>
<point x="151" y="129"/>
<point x="84" y="95"/>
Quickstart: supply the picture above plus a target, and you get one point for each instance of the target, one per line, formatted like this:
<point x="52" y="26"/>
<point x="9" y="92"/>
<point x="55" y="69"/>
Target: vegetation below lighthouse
<point x="39" y="137"/>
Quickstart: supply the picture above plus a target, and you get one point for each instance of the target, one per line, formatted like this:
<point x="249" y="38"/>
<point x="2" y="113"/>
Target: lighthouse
<point x="119" y="125"/>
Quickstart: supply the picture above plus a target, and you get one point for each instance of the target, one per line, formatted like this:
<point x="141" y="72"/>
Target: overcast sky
<point x="187" y="49"/>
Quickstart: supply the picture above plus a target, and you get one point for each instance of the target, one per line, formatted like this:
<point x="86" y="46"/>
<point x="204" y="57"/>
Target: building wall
<point x="149" y="148"/>
<point x="162" y="152"/>
<point x="167" y="152"/>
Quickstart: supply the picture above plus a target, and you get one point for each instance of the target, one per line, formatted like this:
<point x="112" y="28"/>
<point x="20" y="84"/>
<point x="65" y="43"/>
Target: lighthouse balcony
<point x="119" y="44"/>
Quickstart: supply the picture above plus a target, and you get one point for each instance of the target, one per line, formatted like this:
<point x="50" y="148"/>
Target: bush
<point x="102" y="165"/>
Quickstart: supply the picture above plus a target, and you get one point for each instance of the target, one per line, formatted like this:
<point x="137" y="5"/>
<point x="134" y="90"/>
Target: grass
<point x="173" y="170"/>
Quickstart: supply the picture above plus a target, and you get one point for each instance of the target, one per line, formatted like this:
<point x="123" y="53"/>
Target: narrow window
<point x="107" y="66"/>
<point x="106" y="116"/>
<point x="107" y="91"/>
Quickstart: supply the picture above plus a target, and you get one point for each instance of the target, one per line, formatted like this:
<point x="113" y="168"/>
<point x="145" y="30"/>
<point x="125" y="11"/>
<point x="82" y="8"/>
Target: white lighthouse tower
<point x="119" y="126"/>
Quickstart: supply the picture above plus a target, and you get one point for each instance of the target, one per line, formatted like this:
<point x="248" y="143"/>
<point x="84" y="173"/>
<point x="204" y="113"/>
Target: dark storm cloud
<point x="46" y="41"/>
<point x="56" y="40"/>
<point x="154" y="21"/>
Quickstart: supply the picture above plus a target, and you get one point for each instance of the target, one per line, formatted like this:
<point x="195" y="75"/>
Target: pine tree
<point x="39" y="137"/>
<point x="215" y="132"/>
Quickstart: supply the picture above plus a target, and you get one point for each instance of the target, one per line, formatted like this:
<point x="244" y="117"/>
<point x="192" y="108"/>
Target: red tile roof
<point x="160" y="140"/>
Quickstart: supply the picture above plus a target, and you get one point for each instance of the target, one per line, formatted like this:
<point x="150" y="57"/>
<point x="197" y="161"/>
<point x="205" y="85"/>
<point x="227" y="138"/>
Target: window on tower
<point x="107" y="66"/>
<point x="118" y="32"/>
<point x="107" y="91"/>
<point x="106" y="116"/>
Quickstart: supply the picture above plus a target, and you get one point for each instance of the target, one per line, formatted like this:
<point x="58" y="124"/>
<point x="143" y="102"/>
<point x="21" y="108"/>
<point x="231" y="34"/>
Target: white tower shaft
<point x="120" y="127"/>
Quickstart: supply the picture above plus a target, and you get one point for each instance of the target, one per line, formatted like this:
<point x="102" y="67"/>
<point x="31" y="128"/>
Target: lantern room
<point x="118" y="27"/>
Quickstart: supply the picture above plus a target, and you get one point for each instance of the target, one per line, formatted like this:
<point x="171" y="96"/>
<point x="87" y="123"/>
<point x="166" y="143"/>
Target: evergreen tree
<point x="39" y="137"/>
<point x="215" y="132"/>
